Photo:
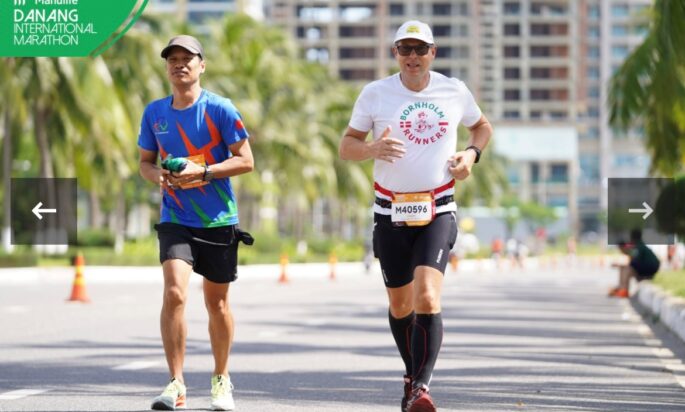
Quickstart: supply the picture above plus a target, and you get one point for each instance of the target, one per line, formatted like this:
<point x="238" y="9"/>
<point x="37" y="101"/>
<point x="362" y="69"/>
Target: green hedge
<point x="19" y="259"/>
<point x="672" y="281"/>
<point x="144" y="252"/>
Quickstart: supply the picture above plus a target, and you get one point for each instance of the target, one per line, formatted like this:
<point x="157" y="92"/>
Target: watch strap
<point x="475" y="149"/>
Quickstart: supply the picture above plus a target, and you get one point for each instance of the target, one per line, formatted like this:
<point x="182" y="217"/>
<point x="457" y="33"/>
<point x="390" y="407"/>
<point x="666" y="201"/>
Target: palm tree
<point x="283" y="100"/>
<point x="649" y="87"/>
<point x="14" y="117"/>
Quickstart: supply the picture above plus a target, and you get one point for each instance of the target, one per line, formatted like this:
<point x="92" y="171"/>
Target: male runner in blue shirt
<point x="199" y="215"/>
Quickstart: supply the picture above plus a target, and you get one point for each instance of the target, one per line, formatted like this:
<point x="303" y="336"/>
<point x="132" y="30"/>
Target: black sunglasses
<point x="421" y="50"/>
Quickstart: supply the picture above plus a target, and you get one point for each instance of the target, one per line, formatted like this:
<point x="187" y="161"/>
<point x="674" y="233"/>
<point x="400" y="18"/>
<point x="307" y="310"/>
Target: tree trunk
<point x="7" y="246"/>
<point x="95" y="220"/>
<point x="119" y="223"/>
<point x="47" y="171"/>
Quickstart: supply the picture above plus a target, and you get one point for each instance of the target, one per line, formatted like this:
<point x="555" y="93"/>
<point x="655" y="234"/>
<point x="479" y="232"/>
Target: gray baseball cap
<point x="189" y="43"/>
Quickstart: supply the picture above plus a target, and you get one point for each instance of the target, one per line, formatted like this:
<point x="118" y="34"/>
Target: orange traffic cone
<point x="78" y="291"/>
<point x="332" y="260"/>
<point x="284" y="266"/>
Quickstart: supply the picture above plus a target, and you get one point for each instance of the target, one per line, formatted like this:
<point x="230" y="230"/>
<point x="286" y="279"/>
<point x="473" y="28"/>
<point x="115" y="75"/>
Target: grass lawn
<point x="672" y="281"/>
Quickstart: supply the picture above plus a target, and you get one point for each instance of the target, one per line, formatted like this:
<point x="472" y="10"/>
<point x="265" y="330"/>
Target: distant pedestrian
<point x="643" y="264"/>
<point x="496" y="248"/>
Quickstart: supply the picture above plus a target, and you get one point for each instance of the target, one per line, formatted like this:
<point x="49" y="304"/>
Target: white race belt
<point x="412" y="209"/>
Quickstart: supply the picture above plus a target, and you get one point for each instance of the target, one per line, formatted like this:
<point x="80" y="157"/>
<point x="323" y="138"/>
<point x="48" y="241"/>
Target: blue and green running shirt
<point x="206" y="129"/>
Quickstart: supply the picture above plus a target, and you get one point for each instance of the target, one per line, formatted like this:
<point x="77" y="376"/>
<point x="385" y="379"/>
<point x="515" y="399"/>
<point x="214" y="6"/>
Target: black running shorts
<point x="212" y="252"/>
<point x="643" y="271"/>
<point x="400" y="249"/>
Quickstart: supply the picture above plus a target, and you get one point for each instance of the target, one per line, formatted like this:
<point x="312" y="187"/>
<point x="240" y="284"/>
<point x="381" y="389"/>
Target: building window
<point x="619" y="10"/>
<point x="539" y="94"/>
<point x="558" y="173"/>
<point x="593" y="73"/>
<point x="593" y="11"/>
<point x="593" y="112"/>
<point x="512" y="8"/>
<point x="396" y="9"/>
<point x="512" y="114"/>
<point x="461" y="52"/>
<point x="319" y="14"/>
<point x="463" y="9"/>
<point x="317" y="55"/>
<point x="548" y="29"/>
<point x="512" y="73"/>
<point x="512" y="95"/>
<point x="513" y="175"/>
<point x="536" y="114"/>
<point x="619" y="30"/>
<point x="444" y="52"/>
<point x="357" y="31"/>
<point x="357" y="52"/>
<point x="638" y="164"/>
<point x="593" y="32"/>
<point x="557" y="201"/>
<point x="593" y="91"/>
<point x="534" y="172"/>
<point x="589" y="168"/>
<point x="619" y="52"/>
<point x="445" y="72"/>
<point x="593" y="51"/>
<point x="558" y="115"/>
<point x="442" y="30"/>
<point x="442" y="9"/>
<point x="512" y="29"/>
<point x="313" y="33"/>
<point x="539" y="73"/>
<point x="512" y="51"/>
<point x="357" y="74"/>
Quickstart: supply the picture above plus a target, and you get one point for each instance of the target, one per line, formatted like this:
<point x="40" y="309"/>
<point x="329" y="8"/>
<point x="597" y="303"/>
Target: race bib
<point x="200" y="160"/>
<point x="412" y="209"/>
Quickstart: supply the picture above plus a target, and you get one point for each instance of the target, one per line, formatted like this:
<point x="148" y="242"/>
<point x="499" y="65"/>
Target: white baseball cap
<point x="414" y="29"/>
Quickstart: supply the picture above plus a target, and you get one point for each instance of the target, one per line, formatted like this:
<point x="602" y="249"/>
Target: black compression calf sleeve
<point x="402" y="332"/>
<point x="425" y="344"/>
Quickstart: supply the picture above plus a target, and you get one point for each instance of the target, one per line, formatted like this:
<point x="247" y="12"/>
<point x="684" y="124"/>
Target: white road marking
<point x="135" y="366"/>
<point x="20" y="393"/>
<point x="14" y="309"/>
<point x="268" y="333"/>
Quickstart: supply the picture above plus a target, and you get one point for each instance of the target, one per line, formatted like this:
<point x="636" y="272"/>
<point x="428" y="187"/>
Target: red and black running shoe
<point x="421" y="401"/>
<point x="407" y="392"/>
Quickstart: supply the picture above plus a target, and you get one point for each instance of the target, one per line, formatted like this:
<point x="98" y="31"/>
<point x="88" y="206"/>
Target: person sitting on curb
<point x="643" y="264"/>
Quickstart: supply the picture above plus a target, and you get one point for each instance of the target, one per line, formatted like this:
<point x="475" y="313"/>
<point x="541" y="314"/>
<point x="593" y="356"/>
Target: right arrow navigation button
<point x="625" y="196"/>
<point x="647" y="210"/>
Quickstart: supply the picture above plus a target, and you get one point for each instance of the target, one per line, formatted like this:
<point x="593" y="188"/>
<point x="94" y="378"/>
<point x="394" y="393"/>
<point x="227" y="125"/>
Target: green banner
<point x="64" y="28"/>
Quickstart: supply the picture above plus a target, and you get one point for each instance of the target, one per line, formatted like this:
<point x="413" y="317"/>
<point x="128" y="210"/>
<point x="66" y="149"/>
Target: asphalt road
<point x="523" y="340"/>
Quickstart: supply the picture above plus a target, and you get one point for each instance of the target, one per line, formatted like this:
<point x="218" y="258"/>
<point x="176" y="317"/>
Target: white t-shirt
<point x="425" y="121"/>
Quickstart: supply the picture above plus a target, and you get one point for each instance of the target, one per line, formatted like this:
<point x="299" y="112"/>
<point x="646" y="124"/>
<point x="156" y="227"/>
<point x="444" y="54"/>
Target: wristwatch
<point x="475" y="149"/>
<point x="208" y="175"/>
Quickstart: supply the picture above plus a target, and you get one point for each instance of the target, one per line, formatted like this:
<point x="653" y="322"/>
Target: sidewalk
<point x="662" y="307"/>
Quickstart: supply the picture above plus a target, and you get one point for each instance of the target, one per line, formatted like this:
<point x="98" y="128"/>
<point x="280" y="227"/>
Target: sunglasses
<point x="421" y="50"/>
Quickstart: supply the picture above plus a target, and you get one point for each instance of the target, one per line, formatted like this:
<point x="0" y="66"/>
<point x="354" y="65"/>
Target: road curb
<point x="663" y="307"/>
